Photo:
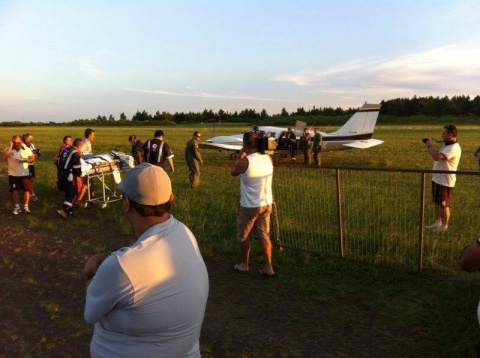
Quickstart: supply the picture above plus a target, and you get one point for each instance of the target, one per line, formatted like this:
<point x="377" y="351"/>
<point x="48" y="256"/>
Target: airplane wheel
<point x="233" y="156"/>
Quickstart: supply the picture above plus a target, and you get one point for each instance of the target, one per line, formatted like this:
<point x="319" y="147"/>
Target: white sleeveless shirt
<point x="256" y="181"/>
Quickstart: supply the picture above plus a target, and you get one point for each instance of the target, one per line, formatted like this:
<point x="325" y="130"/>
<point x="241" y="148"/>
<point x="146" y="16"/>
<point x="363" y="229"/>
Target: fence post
<point x="339" y="215"/>
<point x="422" y="222"/>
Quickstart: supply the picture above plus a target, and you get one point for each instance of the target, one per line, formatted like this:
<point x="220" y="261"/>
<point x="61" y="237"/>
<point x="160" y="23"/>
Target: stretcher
<point x="106" y="170"/>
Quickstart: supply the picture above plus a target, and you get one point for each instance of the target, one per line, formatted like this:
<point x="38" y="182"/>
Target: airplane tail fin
<point x="362" y="122"/>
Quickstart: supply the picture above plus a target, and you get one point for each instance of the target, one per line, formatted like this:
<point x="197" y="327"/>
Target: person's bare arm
<point x="91" y="267"/>
<point x="239" y="167"/>
<point x="170" y="163"/>
<point x="470" y="258"/>
<point x="435" y="154"/>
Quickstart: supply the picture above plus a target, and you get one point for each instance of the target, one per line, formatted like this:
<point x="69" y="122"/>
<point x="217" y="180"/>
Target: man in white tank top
<point x="256" y="173"/>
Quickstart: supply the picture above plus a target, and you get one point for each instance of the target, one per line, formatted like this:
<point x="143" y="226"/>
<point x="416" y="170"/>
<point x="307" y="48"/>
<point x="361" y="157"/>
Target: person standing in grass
<point x="137" y="149"/>
<point x="67" y="142"/>
<point x="193" y="159"/>
<point x="306" y="145"/>
<point x="68" y="174"/>
<point x="446" y="158"/>
<point x="256" y="199"/>
<point x="148" y="299"/>
<point x="87" y="153"/>
<point x="316" y="146"/>
<point x="27" y="139"/>
<point x="18" y="157"/>
<point x="157" y="152"/>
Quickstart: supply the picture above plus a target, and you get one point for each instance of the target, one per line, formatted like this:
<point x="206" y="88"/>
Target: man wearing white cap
<point x="149" y="299"/>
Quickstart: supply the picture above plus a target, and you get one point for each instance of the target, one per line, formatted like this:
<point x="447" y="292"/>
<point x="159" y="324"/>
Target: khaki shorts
<point x="257" y="219"/>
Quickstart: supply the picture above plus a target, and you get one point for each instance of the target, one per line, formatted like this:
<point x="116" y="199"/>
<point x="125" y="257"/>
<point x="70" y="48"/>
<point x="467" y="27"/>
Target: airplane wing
<point x="220" y="146"/>
<point x="362" y="144"/>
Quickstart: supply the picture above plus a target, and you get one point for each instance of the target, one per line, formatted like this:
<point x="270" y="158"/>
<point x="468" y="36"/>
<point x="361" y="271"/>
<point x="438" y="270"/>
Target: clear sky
<point x="62" y="60"/>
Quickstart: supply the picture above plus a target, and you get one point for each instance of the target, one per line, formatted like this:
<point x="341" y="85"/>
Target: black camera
<point x="265" y="143"/>
<point x="425" y="140"/>
<point x="37" y="152"/>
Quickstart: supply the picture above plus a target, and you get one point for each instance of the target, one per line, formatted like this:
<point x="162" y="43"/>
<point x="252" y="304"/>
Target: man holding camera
<point x="27" y="139"/>
<point x="447" y="159"/>
<point x="256" y="199"/>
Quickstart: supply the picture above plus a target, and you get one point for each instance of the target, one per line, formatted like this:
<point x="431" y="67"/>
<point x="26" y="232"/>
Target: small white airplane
<point x="357" y="132"/>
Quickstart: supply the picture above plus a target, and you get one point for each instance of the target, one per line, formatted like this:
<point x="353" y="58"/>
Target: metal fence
<point x="373" y="215"/>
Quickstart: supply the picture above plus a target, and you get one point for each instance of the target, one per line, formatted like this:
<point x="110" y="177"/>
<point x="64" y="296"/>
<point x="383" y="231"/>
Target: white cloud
<point x="448" y="70"/>
<point x="204" y="95"/>
<point x="91" y="65"/>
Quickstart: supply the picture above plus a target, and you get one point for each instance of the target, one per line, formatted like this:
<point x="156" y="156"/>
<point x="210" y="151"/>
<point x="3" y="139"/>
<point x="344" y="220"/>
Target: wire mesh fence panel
<point x="379" y="219"/>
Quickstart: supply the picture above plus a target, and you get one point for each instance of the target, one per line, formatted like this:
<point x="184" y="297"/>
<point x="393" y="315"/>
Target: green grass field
<point x="432" y="314"/>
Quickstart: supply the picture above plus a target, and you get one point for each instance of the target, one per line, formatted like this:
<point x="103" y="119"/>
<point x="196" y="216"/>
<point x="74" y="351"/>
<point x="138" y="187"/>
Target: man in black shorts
<point x="19" y="178"/>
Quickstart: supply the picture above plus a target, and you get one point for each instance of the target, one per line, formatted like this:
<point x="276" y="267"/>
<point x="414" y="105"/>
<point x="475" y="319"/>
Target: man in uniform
<point x="306" y="144"/>
<point x="69" y="171"/>
<point x="157" y="152"/>
<point x="316" y="145"/>
<point x="193" y="159"/>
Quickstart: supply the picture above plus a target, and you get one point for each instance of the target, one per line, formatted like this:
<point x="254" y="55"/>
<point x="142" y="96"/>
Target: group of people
<point x="21" y="154"/>
<point x="310" y="146"/>
<point x="149" y="299"/>
<point x="68" y="160"/>
<point x="157" y="152"/>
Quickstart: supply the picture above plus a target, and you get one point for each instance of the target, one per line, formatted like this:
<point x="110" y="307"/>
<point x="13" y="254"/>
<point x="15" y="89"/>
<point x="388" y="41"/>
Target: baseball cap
<point x="147" y="184"/>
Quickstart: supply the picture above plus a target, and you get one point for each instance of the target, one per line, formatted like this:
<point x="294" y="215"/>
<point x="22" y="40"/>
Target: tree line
<point x="399" y="107"/>
<point x="433" y="107"/>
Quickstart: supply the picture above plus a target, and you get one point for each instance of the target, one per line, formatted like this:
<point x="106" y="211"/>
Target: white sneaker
<point x="33" y="197"/>
<point x="433" y="226"/>
<point x="26" y="210"/>
<point x="16" y="210"/>
<point x="441" y="228"/>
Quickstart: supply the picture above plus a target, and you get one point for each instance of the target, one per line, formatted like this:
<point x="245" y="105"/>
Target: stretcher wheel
<point x="103" y="205"/>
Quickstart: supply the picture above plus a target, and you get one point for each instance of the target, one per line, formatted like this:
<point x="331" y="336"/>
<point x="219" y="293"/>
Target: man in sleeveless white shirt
<point x="148" y="299"/>
<point x="256" y="198"/>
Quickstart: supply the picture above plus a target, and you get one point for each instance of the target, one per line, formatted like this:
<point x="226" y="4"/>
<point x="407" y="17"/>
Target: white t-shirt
<point x="16" y="161"/>
<point x="87" y="149"/>
<point x="256" y="181"/>
<point x="452" y="152"/>
<point x="149" y="300"/>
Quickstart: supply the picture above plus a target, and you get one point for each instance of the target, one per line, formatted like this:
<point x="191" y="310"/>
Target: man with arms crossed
<point x="148" y="299"/>
<point x="256" y="198"/>
<point x="18" y="157"/>
<point x="446" y="158"/>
